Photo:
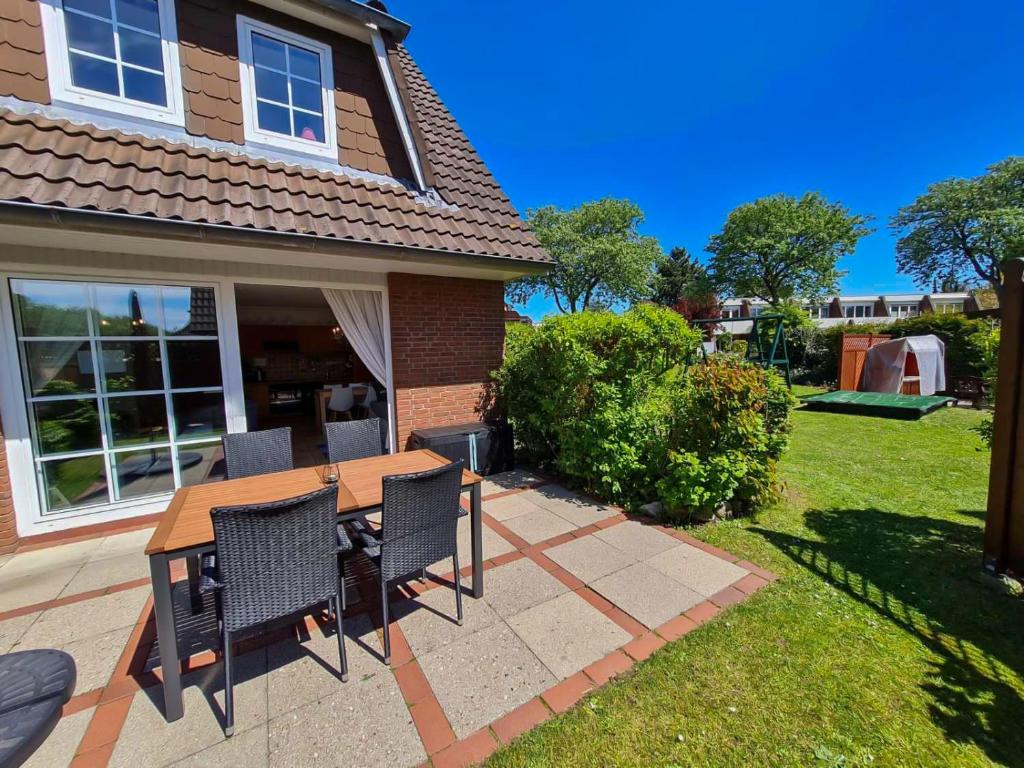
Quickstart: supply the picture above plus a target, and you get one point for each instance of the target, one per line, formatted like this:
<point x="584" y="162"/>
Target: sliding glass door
<point x="123" y="386"/>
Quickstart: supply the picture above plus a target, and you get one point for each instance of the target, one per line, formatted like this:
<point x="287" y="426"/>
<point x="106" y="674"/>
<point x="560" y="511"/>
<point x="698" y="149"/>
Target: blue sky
<point x="690" y="109"/>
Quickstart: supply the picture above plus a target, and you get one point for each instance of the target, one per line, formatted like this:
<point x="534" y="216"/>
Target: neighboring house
<point x="512" y="316"/>
<point x="179" y="179"/>
<point x="851" y="310"/>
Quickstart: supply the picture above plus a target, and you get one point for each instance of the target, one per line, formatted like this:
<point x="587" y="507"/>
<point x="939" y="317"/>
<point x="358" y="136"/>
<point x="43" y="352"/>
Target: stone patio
<point x="575" y="594"/>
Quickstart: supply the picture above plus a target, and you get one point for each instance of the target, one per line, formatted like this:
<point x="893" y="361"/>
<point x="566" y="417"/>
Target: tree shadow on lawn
<point x="925" y="575"/>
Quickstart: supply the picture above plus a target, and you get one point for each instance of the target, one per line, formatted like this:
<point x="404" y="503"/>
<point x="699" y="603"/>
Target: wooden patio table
<point x="186" y="529"/>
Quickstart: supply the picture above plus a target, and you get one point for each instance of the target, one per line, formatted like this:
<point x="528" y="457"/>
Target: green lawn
<point x="882" y="643"/>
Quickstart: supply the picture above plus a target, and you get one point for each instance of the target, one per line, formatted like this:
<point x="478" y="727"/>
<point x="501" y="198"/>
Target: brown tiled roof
<point x="59" y="163"/>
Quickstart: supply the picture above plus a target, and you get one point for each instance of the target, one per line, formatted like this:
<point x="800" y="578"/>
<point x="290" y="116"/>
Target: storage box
<point x="485" y="448"/>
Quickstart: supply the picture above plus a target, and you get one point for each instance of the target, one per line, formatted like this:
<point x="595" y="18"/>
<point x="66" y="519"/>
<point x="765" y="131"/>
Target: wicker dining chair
<point x="419" y="522"/>
<point x="347" y="440"/>
<point x="257" y="453"/>
<point x="245" y="454"/>
<point x="275" y="560"/>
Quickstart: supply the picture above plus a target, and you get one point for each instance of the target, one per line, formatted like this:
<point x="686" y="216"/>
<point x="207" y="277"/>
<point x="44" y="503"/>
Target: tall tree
<point x="961" y="230"/>
<point x="679" y="277"/>
<point x="600" y="257"/>
<point x="778" y="248"/>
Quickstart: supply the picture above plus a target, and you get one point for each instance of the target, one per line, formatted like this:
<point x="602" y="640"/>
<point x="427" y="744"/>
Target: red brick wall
<point x="8" y="526"/>
<point x="447" y="335"/>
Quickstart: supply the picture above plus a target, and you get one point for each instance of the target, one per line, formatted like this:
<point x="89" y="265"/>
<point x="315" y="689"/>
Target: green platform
<point x="876" y="403"/>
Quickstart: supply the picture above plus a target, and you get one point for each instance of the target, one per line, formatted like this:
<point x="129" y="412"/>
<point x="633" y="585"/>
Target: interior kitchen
<point x="295" y="357"/>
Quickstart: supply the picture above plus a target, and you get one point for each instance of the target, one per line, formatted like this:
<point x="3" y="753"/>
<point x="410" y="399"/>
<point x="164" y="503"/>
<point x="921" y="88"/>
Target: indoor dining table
<point x="185" y="529"/>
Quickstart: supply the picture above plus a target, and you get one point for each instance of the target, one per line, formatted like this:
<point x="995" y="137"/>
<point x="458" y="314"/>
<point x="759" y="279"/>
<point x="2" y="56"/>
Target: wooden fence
<point x="1004" y="527"/>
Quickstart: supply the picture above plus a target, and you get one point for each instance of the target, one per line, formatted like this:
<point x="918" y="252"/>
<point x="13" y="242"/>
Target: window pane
<point x="189" y="312"/>
<point x="74" y="482"/>
<point x="59" y="367"/>
<point x="95" y="75"/>
<point x="143" y="473"/>
<point x="137" y="420"/>
<point x="194" y="364"/>
<point x="143" y="14"/>
<point x="201" y="463"/>
<point x="144" y="50"/>
<point x="197" y="414"/>
<point x="51" y="309"/>
<point x="304" y="63"/>
<point x="271" y="85"/>
<point x="90" y="35"/>
<point x="131" y="366"/>
<point x="144" y="86"/>
<point x="63" y="426"/>
<point x="307" y="96"/>
<point x="127" y="310"/>
<point x="268" y="52"/>
<point x="272" y="118"/>
<point x="309" y="127"/>
<point x="95" y="7"/>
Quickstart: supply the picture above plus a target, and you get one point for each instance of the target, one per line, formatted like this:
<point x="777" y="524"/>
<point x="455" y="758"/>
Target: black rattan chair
<point x="347" y="440"/>
<point x="419" y="521"/>
<point x="258" y="453"/>
<point x="245" y="454"/>
<point x="275" y="560"/>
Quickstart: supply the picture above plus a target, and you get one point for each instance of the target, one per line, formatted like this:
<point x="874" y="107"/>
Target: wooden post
<point x="1004" y="525"/>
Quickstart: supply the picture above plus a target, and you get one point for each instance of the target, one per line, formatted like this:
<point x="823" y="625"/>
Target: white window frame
<point x="253" y="133"/>
<point x="62" y="90"/>
<point x="102" y="396"/>
<point x="949" y="307"/>
<point x="903" y="310"/>
<point x="850" y="311"/>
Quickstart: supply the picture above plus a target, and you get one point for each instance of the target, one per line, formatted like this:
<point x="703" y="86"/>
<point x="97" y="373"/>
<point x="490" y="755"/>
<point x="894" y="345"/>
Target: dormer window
<point x="287" y="90"/>
<point x="115" y="55"/>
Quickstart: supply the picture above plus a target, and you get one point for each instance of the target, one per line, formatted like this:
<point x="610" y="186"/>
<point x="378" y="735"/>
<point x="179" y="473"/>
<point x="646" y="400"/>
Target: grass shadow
<point x="924" y="574"/>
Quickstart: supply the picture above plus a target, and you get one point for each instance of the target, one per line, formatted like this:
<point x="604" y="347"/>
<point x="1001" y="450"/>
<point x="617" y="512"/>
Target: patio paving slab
<point x="539" y="525"/>
<point x="20" y="589"/>
<point x="365" y="724"/>
<point x="41" y="561"/>
<point x="429" y="621"/>
<point x="149" y="741"/>
<point x="494" y="545"/>
<point x="95" y="656"/>
<point x="646" y="595"/>
<point x="11" y="630"/>
<point x="514" y="587"/>
<point x="115" y="569"/>
<point x="60" y="746"/>
<point x="300" y="673"/>
<point x="569" y="505"/>
<point x="567" y="633"/>
<point x="88" y="618"/>
<point x="506" y="481"/>
<point x="638" y="540"/>
<point x="484" y="675"/>
<point x="589" y="558"/>
<point x="118" y="544"/>
<point x="246" y="749"/>
<point x="700" y="571"/>
<point x="508" y="507"/>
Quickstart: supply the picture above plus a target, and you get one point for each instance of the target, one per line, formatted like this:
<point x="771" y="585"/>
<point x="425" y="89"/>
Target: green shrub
<point x="731" y="409"/>
<point x="607" y="401"/>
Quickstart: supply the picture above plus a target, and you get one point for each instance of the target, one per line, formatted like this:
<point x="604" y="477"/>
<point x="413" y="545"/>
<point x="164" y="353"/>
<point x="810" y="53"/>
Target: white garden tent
<point x="885" y="368"/>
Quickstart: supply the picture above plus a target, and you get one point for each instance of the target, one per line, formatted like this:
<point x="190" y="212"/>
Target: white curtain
<point x="361" y="317"/>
